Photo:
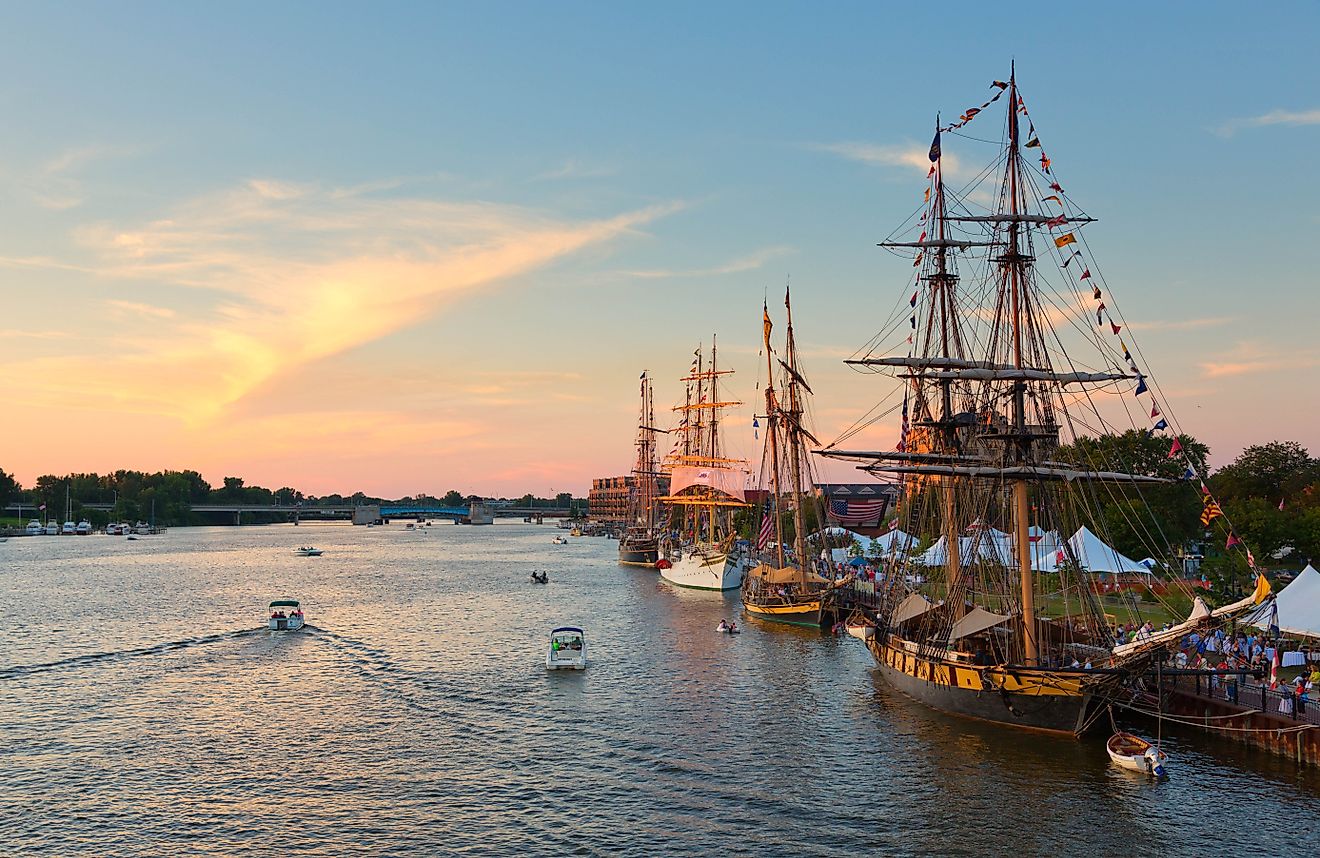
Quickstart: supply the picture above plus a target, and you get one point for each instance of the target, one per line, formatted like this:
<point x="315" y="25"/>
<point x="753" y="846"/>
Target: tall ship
<point x="639" y="545"/>
<point x="1011" y="360"/>
<point x="702" y="550"/>
<point x="786" y="584"/>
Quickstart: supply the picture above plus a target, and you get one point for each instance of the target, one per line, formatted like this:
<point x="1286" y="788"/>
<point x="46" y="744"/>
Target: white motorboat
<point x="559" y="540"/>
<point x="705" y="570"/>
<point x="34" y="528"/>
<point x="52" y="528"/>
<point x="113" y="529"/>
<point x="69" y="529"/>
<point x="568" y="649"/>
<point x="84" y="528"/>
<point x="282" y="620"/>
<point x="308" y="551"/>
<point x="1136" y="754"/>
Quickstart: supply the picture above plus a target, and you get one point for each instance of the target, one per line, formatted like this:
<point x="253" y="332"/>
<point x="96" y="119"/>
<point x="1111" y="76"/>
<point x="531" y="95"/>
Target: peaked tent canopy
<point x="1299" y="605"/>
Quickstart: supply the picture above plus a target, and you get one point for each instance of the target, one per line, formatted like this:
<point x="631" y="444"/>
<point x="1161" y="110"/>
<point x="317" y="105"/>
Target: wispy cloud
<point x="574" y="169"/>
<point x="1250" y="357"/>
<point x="136" y="309"/>
<point x="750" y="262"/>
<point x="55" y="184"/>
<point x="1182" y="324"/>
<point x="1274" y="117"/>
<point x="908" y="155"/>
<point x="281" y="275"/>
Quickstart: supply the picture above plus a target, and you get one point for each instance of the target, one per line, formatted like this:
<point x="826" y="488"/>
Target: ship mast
<point x="942" y="299"/>
<point x="794" y="424"/>
<point x="772" y="432"/>
<point x="644" y="471"/>
<point x="1015" y="262"/>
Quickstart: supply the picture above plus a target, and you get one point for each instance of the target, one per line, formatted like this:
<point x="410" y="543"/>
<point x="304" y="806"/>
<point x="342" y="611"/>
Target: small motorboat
<point x="282" y="620"/>
<point x="568" y="649"/>
<point x="1136" y="754"/>
<point x="575" y="532"/>
<point x="308" y="551"/>
<point x="559" y="540"/>
<point x="728" y="628"/>
<point x="540" y="578"/>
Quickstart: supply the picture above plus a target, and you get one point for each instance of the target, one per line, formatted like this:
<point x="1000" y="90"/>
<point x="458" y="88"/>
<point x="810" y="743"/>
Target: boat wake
<point x="22" y="670"/>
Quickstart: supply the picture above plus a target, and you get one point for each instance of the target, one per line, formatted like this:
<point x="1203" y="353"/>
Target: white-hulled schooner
<point x="705" y="487"/>
<point x="1008" y="628"/>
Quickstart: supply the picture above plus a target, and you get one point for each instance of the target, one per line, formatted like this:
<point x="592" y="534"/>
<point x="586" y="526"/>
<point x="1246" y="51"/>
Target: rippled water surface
<point x="144" y="709"/>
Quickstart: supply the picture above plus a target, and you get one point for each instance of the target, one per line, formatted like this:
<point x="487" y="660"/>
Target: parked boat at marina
<point x="639" y="545"/>
<point x="705" y="487"/>
<point x="84" y="528"/>
<point x="34" y="528"/>
<point x="983" y="444"/>
<point x="1136" y="754"/>
<point x="786" y="585"/>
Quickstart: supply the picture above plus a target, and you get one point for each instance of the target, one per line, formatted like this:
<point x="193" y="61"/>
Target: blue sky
<point x="183" y="181"/>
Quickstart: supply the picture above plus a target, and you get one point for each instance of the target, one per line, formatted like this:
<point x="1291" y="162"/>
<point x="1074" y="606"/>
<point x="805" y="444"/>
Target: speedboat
<point x="69" y="529"/>
<point x="540" y="578"/>
<point x="1136" y="754"/>
<point x="285" y="621"/>
<point x="307" y="551"/>
<point x="559" y="540"/>
<point x="568" y="649"/>
<point x="34" y="528"/>
<point x="113" y="529"/>
<point x="84" y="528"/>
<point x="52" y="528"/>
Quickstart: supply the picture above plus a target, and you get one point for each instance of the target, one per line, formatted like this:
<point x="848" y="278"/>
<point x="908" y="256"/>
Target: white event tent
<point x="893" y="542"/>
<point x="1299" y="605"/>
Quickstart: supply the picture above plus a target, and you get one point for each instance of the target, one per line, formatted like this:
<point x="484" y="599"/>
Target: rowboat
<point x="1136" y="754"/>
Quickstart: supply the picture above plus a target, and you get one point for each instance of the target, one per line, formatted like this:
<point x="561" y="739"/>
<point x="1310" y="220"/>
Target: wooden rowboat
<point x="1136" y="754"/>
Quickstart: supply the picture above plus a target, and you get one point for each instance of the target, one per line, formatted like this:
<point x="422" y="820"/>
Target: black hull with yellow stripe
<point x="639" y="552"/>
<point x="808" y="613"/>
<point x="1027" y="698"/>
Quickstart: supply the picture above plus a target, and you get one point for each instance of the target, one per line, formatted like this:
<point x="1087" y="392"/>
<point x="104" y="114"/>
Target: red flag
<point x="1154" y="411"/>
<point x="1280" y="503"/>
<point x="1175" y="449"/>
<point x="1056" y="221"/>
<point x="1205" y="490"/>
<point x="1251" y="559"/>
<point x="1096" y="293"/>
<point x="913" y="302"/>
<point x="1054" y="186"/>
<point x="922" y="237"/>
<point x="1044" y="162"/>
<point x="931" y="172"/>
<point x="1098" y="311"/>
<point x="1232" y="540"/>
<point x="1116" y="328"/>
<point x="1085" y="274"/>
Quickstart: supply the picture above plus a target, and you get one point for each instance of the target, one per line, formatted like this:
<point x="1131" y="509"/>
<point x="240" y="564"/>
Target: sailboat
<point x="995" y="392"/>
<point x="786" y="586"/>
<point x="705" y="487"/>
<point x="640" y="545"/>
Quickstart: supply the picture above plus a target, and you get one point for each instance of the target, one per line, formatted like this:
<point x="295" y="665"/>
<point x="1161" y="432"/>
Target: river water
<point x="144" y="709"/>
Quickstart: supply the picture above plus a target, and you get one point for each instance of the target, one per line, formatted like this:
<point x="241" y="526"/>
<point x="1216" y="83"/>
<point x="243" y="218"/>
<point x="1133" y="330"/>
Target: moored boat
<point x="308" y="551"/>
<point x="84" y="528"/>
<point x="1136" y="754"/>
<point x="286" y="615"/>
<point x="705" y="487"/>
<point x="639" y="544"/>
<point x="34" y="528"/>
<point x="992" y="434"/>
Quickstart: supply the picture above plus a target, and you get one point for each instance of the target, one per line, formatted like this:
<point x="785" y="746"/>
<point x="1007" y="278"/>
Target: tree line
<point x="172" y="494"/>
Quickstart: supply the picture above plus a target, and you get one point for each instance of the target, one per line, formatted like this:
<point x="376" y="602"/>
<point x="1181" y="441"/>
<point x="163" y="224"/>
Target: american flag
<point x="767" y="530"/>
<point x="858" y="511"/>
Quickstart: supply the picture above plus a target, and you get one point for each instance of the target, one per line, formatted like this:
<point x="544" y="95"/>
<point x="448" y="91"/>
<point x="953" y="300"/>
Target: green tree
<point x="452" y="498"/>
<point x="9" y="488"/>
<point x="1275" y="471"/>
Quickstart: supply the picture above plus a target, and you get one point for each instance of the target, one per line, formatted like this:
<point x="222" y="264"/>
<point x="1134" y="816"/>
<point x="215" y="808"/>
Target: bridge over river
<point x="333" y="511"/>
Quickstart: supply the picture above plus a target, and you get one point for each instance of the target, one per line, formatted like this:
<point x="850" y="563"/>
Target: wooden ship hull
<point x="1053" y="701"/>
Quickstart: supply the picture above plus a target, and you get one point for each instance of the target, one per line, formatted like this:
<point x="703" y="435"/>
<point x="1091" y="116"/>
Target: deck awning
<point x="913" y="606"/>
<point x="976" y="620"/>
<point x="284" y="603"/>
<point x="784" y="575"/>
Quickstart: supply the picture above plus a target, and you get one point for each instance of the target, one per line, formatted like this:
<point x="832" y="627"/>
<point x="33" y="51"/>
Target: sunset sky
<point x="408" y="248"/>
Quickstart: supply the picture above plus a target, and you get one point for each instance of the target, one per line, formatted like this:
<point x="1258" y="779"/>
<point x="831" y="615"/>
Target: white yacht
<point x="84" y="528"/>
<point x="568" y="649"/>
<point x="69" y="529"/>
<point x="307" y="551"/>
<point x="34" y="528"/>
<point x="705" y="568"/>
<point x="52" y="528"/>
